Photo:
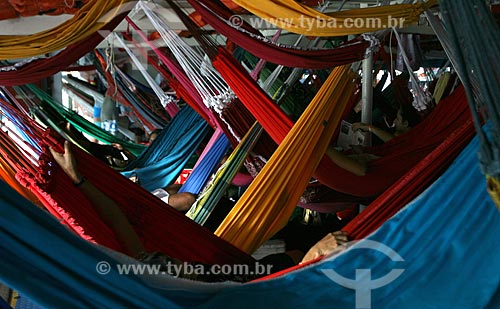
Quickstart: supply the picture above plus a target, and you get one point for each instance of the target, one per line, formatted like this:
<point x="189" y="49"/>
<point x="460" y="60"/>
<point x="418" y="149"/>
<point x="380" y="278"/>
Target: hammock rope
<point x="214" y="91"/>
<point x="147" y="114"/>
<point x="177" y="80"/>
<point x="422" y="98"/>
<point x="234" y="119"/>
<point x="165" y="99"/>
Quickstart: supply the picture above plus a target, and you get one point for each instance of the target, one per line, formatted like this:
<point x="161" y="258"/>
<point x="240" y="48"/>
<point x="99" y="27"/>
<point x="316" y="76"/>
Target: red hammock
<point x="402" y="152"/>
<point x="412" y="183"/>
<point x="405" y="189"/>
<point x="39" y="69"/>
<point x="218" y="16"/>
<point x="160" y="227"/>
<point x="9" y="166"/>
<point x="398" y="155"/>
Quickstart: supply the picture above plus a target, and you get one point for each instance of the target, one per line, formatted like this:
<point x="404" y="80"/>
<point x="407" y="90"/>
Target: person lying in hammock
<point x="407" y="117"/>
<point x="112" y="216"/>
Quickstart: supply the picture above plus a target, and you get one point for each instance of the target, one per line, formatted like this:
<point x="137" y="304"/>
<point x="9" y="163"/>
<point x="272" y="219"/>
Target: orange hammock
<point x="8" y="175"/>
<point x="269" y="201"/>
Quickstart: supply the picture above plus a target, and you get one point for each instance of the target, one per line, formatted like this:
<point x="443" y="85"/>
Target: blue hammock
<point x="447" y="239"/>
<point x="206" y="166"/>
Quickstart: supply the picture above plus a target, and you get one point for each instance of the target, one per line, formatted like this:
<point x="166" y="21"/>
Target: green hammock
<point x="80" y="122"/>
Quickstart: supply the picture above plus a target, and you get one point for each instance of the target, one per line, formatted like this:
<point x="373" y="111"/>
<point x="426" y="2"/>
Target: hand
<point x="326" y="245"/>
<point x="67" y="162"/>
<point x="360" y="126"/>
<point x="117" y="146"/>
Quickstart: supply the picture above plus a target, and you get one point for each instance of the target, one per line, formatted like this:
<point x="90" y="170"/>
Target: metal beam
<point x="367" y="95"/>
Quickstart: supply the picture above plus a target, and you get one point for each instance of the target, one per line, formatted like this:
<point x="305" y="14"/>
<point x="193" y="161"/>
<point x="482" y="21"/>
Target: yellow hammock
<point x="269" y="201"/>
<point x="89" y="19"/>
<point x="298" y="18"/>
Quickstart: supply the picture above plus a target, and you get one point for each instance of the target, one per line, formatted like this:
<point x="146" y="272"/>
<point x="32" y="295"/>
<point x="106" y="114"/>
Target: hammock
<point x="190" y="97"/>
<point x="33" y="70"/>
<point x="18" y="148"/>
<point x="162" y="162"/>
<point x="15" y="8"/>
<point x="480" y="77"/>
<point x="9" y="165"/>
<point x="152" y="219"/>
<point x="166" y="101"/>
<point x="215" y="150"/>
<point x="434" y="242"/>
<point x="201" y="210"/>
<point x="410" y="185"/>
<point x="205" y="204"/>
<point x="78" y="121"/>
<point x="299" y="18"/>
<point x="8" y="175"/>
<point x="268" y="202"/>
<point x="402" y="152"/>
<point x="139" y="102"/>
<point x="219" y="17"/>
<point x="90" y="18"/>
<point x="399" y="154"/>
<point x="213" y="91"/>
<point x="119" y="87"/>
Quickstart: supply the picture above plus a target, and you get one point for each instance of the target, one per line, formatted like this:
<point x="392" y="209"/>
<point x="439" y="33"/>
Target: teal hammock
<point x="163" y="161"/>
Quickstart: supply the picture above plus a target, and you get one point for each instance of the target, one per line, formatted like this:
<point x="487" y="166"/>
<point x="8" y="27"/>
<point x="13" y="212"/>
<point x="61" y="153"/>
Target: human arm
<point x="346" y="162"/>
<point x="326" y="245"/>
<point x="106" y="208"/>
<point x="382" y="134"/>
